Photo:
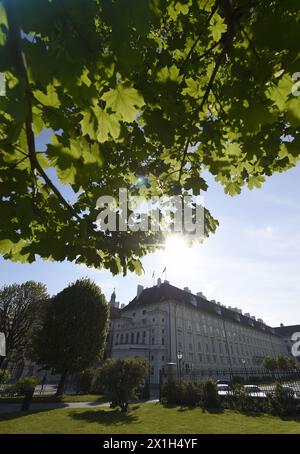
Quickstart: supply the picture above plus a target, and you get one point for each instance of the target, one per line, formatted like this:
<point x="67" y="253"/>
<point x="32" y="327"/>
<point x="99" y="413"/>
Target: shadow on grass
<point x="105" y="417"/>
<point x="183" y="408"/>
<point x="19" y="414"/>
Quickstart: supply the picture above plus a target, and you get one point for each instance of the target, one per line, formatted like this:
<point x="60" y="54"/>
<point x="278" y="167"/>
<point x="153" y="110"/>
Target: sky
<point x="252" y="261"/>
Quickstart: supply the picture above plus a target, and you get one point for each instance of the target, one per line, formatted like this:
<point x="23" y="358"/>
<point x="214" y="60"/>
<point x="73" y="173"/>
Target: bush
<point x="5" y="376"/>
<point x="241" y="401"/>
<point x="122" y="379"/>
<point x="84" y="380"/>
<point x="209" y="395"/>
<point x="282" y="403"/>
<point x="181" y="393"/>
<point x="191" y="394"/>
<point x="25" y="386"/>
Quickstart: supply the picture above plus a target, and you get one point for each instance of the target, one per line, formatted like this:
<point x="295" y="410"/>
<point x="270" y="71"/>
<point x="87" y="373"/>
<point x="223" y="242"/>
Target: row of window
<point x="136" y="338"/>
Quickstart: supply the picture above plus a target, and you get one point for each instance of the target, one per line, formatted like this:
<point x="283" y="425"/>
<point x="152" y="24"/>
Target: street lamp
<point x="179" y="357"/>
<point x="244" y="363"/>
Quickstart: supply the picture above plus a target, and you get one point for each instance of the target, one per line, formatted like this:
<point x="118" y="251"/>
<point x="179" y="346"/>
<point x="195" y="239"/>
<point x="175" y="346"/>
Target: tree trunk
<point x="61" y="384"/>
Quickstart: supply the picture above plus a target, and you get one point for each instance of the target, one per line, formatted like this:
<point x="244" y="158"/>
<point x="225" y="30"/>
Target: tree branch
<point x="21" y="67"/>
<point x="214" y="9"/>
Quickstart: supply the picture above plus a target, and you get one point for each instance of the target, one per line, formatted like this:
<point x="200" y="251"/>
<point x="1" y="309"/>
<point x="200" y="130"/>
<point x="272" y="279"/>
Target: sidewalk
<point x="12" y="408"/>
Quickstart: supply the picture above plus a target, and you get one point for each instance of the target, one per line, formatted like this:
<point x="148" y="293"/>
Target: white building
<point x="164" y="320"/>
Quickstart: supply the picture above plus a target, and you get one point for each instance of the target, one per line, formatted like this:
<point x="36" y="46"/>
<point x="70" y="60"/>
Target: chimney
<point x="186" y="289"/>
<point x="159" y="282"/>
<point x="122" y="306"/>
<point x="140" y="288"/>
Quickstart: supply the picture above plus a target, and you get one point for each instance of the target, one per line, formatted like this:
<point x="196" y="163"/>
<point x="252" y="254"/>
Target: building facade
<point x="287" y="332"/>
<point x="164" y="323"/>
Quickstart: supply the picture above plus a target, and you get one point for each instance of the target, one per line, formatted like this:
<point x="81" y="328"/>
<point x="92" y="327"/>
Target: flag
<point x="165" y="269"/>
<point x="153" y="274"/>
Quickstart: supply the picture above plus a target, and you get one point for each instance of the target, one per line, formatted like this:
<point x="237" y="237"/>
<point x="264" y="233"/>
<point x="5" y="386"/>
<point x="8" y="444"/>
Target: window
<point x="126" y="338"/>
<point x="144" y="337"/>
<point x="162" y="358"/>
<point x="152" y="340"/>
<point x="132" y="338"/>
<point x="138" y="337"/>
<point x="121" y="338"/>
<point x="190" y="347"/>
<point x="163" y="341"/>
<point x="117" y="339"/>
<point x="144" y="312"/>
<point x="133" y="315"/>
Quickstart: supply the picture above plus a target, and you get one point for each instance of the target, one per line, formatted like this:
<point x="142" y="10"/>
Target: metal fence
<point x="265" y="379"/>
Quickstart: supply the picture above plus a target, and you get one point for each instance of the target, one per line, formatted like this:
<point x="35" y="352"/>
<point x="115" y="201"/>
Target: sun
<point x="177" y="251"/>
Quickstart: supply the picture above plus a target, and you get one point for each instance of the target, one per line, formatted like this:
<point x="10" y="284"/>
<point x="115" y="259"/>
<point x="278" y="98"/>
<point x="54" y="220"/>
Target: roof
<point x="167" y="292"/>
<point x="287" y="330"/>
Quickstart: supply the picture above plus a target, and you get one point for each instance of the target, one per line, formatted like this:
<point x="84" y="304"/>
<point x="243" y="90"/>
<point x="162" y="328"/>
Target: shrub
<point x="84" y="380"/>
<point x="5" y="376"/>
<point x="192" y="394"/>
<point x="181" y="393"/>
<point x="122" y="379"/>
<point x="242" y="401"/>
<point x="282" y="402"/>
<point x="25" y="386"/>
<point x="169" y="393"/>
<point x="209" y="395"/>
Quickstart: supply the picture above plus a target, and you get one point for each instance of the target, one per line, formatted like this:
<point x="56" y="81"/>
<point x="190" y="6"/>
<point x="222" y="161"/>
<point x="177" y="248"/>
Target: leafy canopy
<point x="73" y="332"/>
<point x="22" y="308"/>
<point x="163" y="88"/>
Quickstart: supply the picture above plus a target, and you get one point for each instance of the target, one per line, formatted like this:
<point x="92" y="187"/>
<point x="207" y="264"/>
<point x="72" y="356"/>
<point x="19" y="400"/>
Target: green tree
<point x="72" y="336"/>
<point x="21" y="309"/>
<point x="283" y="363"/>
<point x="270" y="364"/>
<point x="121" y="379"/>
<point x="164" y="88"/>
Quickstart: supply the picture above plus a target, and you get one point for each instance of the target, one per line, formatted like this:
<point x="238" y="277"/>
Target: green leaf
<point x="125" y="101"/>
<point x="232" y="188"/>
<point x="108" y="126"/>
<point x="217" y="27"/>
<point x="255" y="181"/>
<point x="49" y="98"/>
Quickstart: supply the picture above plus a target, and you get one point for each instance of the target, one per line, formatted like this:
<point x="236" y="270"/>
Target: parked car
<point x="290" y="391"/>
<point x="224" y="390"/>
<point x="254" y="391"/>
<point x="223" y="382"/>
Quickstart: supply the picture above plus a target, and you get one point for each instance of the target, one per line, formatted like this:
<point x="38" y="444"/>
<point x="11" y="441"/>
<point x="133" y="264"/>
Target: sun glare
<point x="177" y="250"/>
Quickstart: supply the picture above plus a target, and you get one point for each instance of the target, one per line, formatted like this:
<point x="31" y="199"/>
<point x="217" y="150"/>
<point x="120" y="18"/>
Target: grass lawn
<point x="64" y="398"/>
<point x="144" y="418"/>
